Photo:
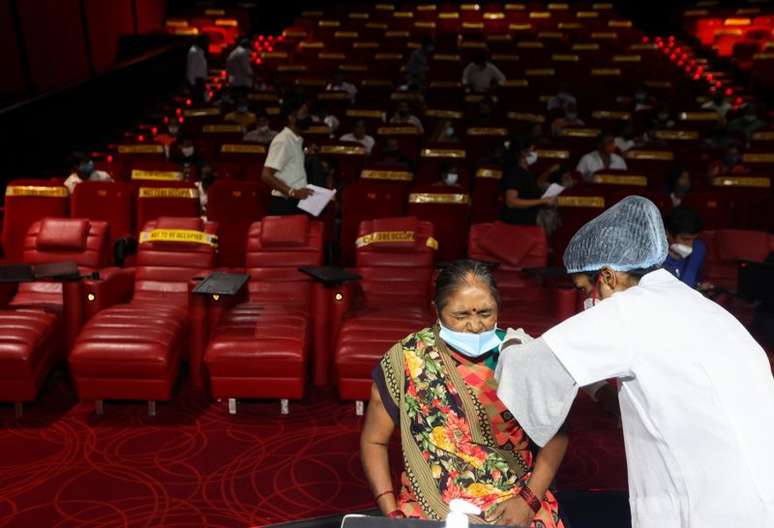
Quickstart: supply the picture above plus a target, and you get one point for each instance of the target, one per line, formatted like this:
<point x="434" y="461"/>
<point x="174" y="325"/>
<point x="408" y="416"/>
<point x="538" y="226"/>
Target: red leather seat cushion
<point x="367" y="334"/>
<point x="24" y="338"/>
<point x="136" y="341"/>
<point x="281" y="231"/>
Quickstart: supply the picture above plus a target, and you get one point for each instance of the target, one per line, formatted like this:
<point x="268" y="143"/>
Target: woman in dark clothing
<point x="521" y="193"/>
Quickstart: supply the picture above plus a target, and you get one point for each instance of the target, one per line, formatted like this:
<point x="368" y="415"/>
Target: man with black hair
<point x="283" y="169"/>
<point x="686" y="251"/>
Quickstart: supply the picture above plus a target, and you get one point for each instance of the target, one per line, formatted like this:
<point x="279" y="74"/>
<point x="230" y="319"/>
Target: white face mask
<point x="683" y="251"/>
<point x="531" y="158"/>
<point x="187" y="151"/>
<point x="472" y="345"/>
<point x="450" y="131"/>
<point x="451" y="178"/>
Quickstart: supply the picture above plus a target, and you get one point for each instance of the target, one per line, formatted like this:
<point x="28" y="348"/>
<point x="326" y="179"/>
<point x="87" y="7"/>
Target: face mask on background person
<point x="683" y="250"/>
<point x="449" y="131"/>
<point x="471" y="345"/>
<point x="187" y="151"/>
<point x="531" y="158"/>
<point x="86" y="168"/>
<point x="174" y="129"/>
<point x="451" y="178"/>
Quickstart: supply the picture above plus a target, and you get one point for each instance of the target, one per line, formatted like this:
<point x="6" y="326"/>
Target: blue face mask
<point x="471" y="345"/>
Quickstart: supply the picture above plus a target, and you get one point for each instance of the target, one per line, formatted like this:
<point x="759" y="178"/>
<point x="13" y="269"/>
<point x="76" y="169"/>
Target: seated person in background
<point x="392" y="157"/>
<point x="450" y="176"/>
<point x="338" y="84"/>
<point x="747" y="123"/>
<point x="320" y="116"/>
<point x="189" y="160"/>
<point x="444" y="133"/>
<point x="359" y="135"/>
<point x="403" y="116"/>
<point x="642" y="99"/>
<point x="413" y="94"/>
<point x="730" y="163"/>
<point x="720" y="105"/>
<point x="686" y="251"/>
<point x="662" y="119"/>
<point x="604" y="157"/>
<point x="570" y="119"/>
<point x="241" y="115"/>
<point x="262" y="133"/>
<point x="168" y="138"/>
<point x="481" y="76"/>
<point x="207" y="178"/>
<point x="83" y="169"/>
<point x="626" y="139"/>
<point x="521" y="191"/>
<point x="678" y="185"/>
<point x="562" y="98"/>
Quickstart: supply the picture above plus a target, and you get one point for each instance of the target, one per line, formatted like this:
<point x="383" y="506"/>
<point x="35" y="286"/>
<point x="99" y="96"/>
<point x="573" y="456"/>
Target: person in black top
<point x="521" y="194"/>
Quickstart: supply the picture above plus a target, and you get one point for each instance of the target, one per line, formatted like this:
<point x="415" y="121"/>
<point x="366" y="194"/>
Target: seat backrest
<point x="395" y="258"/>
<point x="448" y="208"/>
<point x="726" y="247"/>
<point x="512" y="246"/>
<point x="276" y="247"/>
<point x="27" y="201"/>
<point x="365" y="201"/>
<point x="234" y="205"/>
<point x="52" y="240"/>
<point x="179" y="199"/>
<point x="107" y="201"/>
<point x="171" y="252"/>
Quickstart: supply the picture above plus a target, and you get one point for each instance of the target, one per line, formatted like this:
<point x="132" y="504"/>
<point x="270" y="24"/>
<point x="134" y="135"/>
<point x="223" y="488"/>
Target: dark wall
<point x="51" y="44"/>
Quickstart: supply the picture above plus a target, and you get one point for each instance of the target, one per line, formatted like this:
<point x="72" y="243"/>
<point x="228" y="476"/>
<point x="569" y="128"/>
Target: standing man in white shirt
<point x="240" y="69"/>
<point x="196" y="70"/>
<point x="696" y="390"/>
<point x="481" y="76"/>
<point x="283" y="169"/>
<point x="604" y="157"/>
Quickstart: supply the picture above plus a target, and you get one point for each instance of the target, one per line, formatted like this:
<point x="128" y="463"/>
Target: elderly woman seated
<point x="437" y="386"/>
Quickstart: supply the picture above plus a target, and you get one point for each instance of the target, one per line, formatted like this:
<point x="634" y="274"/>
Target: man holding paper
<point x="522" y="199"/>
<point x="283" y="169"/>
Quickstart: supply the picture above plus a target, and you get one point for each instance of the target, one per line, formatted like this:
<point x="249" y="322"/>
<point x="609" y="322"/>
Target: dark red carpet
<point x="194" y="465"/>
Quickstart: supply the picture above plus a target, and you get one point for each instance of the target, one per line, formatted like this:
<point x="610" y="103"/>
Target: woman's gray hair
<point x="460" y="272"/>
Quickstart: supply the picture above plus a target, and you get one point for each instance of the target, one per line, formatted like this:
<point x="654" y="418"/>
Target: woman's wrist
<point x="530" y="498"/>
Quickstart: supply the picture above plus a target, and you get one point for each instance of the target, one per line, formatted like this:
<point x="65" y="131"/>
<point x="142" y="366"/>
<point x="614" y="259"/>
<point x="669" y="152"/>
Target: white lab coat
<point x="696" y="395"/>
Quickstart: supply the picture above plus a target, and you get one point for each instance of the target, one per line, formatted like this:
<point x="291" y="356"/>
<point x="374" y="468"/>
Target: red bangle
<point x="396" y="514"/>
<point x="382" y="494"/>
<point x="530" y="498"/>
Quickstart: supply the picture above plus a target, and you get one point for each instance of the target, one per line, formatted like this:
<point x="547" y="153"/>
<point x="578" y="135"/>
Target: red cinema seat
<point x="434" y="158"/>
<point x="349" y="158"/>
<point x="525" y="301"/>
<point x="27" y="201"/>
<point x="166" y="199"/>
<point x="241" y="161"/>
<point x="575" y="209"/>
<point x="448" y="208"/>
<point x="111" y="202"/>
<point x="42" y="318"/>
<point x="234" y="205"/>
<point x="487" y="198"/>
<point x="367" y="201"/>
<point x="133" y="351"/>
<point x="395" y="261"/>
<point x="137" y="155"/>
<point x="260" y="349"/>
<point x="726" y="247"/>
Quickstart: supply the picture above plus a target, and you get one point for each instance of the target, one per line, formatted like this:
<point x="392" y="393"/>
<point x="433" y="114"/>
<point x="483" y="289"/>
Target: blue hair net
<point x="628" y="236"/>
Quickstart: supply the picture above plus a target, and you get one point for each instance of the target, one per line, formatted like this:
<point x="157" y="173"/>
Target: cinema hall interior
<point x="387" y="263"/>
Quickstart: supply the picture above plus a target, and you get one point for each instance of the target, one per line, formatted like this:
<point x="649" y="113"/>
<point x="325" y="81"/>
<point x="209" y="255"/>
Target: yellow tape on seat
<point x="188" y="236"/>
<point x="35" y="190"/>
<point x="140" y="149"/>
<point x="156" y="175"/>
<point x="168" y="192"/>
<point x="371" y="174"/>
<point x="492" y="174"/>
<point x="384" y="237"/>
<point x="597" y="202"/>
<point x="442" y="153"/>
<point x="439" y="198"/>
<point x="741" y="181"/>
<point x="621" y="179"/>
<point x="230" y="148"/>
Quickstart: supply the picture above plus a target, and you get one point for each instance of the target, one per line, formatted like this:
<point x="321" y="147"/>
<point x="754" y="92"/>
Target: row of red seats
<point x="142" y="323"/>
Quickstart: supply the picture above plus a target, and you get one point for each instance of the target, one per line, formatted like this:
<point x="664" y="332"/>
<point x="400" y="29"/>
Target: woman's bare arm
<point x="374" y="442"/>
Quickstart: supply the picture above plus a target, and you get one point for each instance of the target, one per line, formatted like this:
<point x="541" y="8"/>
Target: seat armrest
<point x="221" y="283"/>
<point x="113" y="286"/>
<point x="330" y="276"/>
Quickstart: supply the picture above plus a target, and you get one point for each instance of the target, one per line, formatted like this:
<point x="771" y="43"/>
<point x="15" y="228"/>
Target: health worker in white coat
<point x="695" y="389"/>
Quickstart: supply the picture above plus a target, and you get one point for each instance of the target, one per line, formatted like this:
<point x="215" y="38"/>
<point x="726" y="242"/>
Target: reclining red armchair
<point x="526" y="302"/>
<point x="42" y="318"/>
<point x="395" y="259"/>
<point x="260" y="349"/>
<point x="133" y="351"/>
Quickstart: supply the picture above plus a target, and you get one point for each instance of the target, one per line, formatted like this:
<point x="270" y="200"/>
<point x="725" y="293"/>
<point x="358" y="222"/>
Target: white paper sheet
<point x="315" y="204"/>
<point x="553" y="190"/>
